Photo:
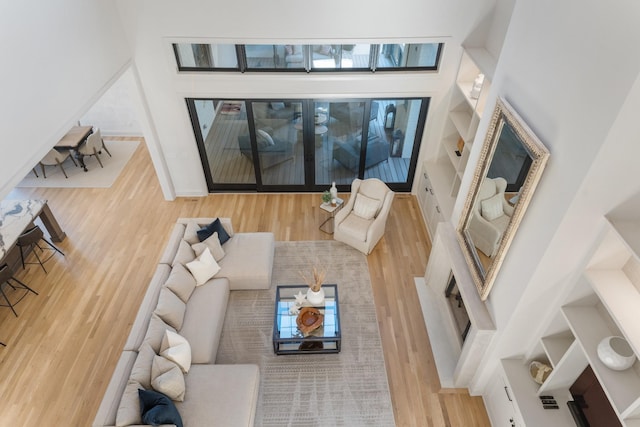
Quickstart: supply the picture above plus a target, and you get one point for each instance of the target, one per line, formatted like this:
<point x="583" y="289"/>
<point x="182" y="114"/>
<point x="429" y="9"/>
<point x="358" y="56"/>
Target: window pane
<point x="265" y="56"/>
<point x="339" y="157"/>
<point x="409" y="55"/>
<point x="294" y="56"/>
<point x="323" y="56"/>
<point x="279" y="142"/>
<point x="227" y="142"/>
<point x="393" y="127"/>
<point x="206" y="56"/>
<point x="353" y="55"/>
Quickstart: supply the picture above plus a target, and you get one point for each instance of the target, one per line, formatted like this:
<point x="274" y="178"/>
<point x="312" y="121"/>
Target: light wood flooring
<point x="64" y="345"/>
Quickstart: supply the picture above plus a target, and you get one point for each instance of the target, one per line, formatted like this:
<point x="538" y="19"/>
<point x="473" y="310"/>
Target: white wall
<point x="115" y="112"/>
<point x="569" y="83"/>
<point x="152" y="25"/>
<point x="58" y="57"/>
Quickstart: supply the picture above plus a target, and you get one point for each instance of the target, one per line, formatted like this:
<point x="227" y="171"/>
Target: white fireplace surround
<point x="456" y="361"/>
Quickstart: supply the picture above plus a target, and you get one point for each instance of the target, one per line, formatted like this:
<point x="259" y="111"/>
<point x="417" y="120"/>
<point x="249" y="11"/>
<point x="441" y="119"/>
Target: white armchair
<point x="361" y="222"/>
<point x="490" y="217"/>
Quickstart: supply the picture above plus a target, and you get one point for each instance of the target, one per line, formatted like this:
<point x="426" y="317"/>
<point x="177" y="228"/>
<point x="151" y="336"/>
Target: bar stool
<point x="6" y="277"/>
<point x="30" y="240"/>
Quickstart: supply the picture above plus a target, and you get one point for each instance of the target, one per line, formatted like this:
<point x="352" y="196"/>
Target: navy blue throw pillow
<point x="216" y="226"/>
<point x="158" y="409"/>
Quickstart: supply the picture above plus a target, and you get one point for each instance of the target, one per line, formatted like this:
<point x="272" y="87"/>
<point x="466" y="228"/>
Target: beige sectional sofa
<point x="213" y="393"/>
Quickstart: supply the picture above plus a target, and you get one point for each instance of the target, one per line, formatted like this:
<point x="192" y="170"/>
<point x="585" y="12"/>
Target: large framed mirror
<point x="510" y="165"/>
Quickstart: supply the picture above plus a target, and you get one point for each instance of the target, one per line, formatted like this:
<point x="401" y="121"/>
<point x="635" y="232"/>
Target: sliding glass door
<point x="304" y="145"/>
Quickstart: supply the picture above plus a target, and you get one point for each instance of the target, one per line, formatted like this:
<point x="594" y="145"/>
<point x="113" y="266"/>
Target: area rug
<point x="345" y="389"/>
<point x="95" y="177"/>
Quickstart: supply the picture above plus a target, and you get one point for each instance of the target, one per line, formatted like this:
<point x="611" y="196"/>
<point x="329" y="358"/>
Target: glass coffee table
<point x="287" y="338"/>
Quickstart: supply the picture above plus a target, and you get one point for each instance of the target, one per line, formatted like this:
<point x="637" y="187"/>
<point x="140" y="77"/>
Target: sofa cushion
<point x="106" y="414"/>
<point x="356" y="227"/>
<point x="177" y="234"/>
<point x="365" y="207"/>
<point x="191" y="232"/>
<point x="177" y="349"/>
<point x="158" y="409"/>
<point x="129" y="408"/>
<point x="155" y="332"/>
<point x="213" y="243"/>
<point x="249" y="261"/>
<point x="184" y="254"/>
<point x="170" y="308"/>
<point x="167" y="378"/>
<point x="235" y="388"/>
<point x="215" y="226"/>
<point x="141" y="324"/>
<point x="141" y="371"/>
<point x="181" y="282"/>
<point x="204" y="267"/>
<point x="204" y="318"/>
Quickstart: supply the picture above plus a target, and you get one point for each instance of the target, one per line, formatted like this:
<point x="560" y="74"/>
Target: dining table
<point x="16" y="216"/>
<point x="73" y="139"/>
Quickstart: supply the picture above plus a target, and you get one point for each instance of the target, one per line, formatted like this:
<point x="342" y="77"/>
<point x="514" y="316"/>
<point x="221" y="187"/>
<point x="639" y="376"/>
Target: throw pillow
<point x="158" y="409"/>
<point x="365" y="207"/>
<point x="155" y="332"/>
<point x="191" y="232"/>
<point x="491" y="208"/>
<point x="167" y="378"/>
<point x="176" y="348"/>
<point x="170" y="308"/>
<point x="129" y="408"/>
<point x="203" y="268"/>
<point x="213" y="243"/>
<point x="141" y="370"/>
<point x="181" y="282"/>
<point x="184" y="254"/>
<point x="264" y="138"/>
<point x="215" y="226"/>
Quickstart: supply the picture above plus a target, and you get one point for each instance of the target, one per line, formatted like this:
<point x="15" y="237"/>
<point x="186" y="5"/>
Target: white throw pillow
<point x="170" y="308"/>
<point x="365" y="207"/>
<point x="491" y="208"/>
<point x="177" y="349"/>
<point x="167" y="378"/>
<point x="213" y="243"/>
<point x="203" y="268"/>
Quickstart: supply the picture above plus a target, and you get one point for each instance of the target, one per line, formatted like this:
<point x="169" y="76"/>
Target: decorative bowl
<point x="309" y="319"/>
<point x="539" y="371"/>
<point x="616" y="353"/>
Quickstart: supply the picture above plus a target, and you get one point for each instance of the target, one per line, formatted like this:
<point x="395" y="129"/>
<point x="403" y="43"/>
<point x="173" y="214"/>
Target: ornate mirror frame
<point x="485" y="270"/>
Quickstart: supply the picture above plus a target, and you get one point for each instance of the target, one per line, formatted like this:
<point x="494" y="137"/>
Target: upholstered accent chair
<point x="361" y="222"/>
<point x="490" y="216"/>
<point x="54" y="158"/>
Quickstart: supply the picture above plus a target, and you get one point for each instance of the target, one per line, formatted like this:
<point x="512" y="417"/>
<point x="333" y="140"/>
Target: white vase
<point x="333" y="191"/>
<point x="315" y="298"/>
<point x="616" y="353"/>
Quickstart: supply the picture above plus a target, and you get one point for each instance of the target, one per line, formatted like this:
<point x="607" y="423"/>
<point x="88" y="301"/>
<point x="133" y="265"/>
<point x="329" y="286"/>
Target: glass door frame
<point x="308" y="145"/>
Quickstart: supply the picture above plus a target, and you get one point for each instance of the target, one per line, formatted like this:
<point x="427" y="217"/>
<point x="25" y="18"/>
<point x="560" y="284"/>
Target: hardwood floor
<point x="64" y="345"/>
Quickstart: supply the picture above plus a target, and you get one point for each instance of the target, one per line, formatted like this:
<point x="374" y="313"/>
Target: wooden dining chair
<point x="7" y="278"/>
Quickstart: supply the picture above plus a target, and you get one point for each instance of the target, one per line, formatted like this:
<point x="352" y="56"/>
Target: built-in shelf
<point x="590" y="325"/>
<point x="526" y="398"/>
<point x="556" y="346"/>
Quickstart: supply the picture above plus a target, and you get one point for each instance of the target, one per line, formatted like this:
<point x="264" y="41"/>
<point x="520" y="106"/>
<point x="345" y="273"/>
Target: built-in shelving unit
<point x="446" y="169"/>
<point x="605" y="302"/>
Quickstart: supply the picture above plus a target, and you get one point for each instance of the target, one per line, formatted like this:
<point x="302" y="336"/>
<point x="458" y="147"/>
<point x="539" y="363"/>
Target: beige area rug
<point x="95" y="177"/>
<point x="345" y="389"/>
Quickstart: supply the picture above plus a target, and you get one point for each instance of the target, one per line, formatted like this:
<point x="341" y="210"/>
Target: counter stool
<point x="6" y="278"/>
<point x="30" y="239"/>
